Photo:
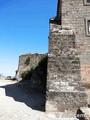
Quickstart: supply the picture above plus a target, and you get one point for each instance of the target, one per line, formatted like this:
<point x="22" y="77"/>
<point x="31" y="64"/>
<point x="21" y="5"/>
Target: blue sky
<point x="24" y="28"/>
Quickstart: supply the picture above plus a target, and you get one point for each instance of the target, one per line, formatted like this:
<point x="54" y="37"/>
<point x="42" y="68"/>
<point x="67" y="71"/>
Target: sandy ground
<point x="17" y="103"/>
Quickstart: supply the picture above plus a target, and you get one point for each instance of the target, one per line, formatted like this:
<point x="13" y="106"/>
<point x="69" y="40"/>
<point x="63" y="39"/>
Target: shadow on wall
<point x="37" y="76"/>
<point x="19" y="92"/>
<point x="32" y="89"/>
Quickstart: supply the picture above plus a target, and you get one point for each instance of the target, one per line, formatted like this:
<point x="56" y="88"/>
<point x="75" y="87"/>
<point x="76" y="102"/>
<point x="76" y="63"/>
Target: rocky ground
<point x="17" y="103"/>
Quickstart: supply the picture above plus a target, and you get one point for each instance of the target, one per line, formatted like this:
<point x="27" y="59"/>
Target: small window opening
<point x="88" y="27"/>
<point x="86" y="2"/>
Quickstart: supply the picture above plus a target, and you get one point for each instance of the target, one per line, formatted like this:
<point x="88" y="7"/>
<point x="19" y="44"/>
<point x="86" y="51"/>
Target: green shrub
<point x="32" y="67"/>
<point x="26" y="75"/>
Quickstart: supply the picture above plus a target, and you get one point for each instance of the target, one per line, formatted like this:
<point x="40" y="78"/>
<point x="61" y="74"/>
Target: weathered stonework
<point x="69" y="58"/>
<point x="34" y="60"/>
<point x="68" y="70"/>
<point x="74" y="14"/>
<point x="64" y="83"/>
<point x="33" y="69"/>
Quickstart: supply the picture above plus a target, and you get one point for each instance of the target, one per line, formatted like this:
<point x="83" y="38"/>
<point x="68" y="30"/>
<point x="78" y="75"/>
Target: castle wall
<point x="74" y="14"/>
<point x="28" y="62"/>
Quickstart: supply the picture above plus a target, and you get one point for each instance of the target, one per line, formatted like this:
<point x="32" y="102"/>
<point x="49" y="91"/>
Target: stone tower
<point x="69" y="56"/>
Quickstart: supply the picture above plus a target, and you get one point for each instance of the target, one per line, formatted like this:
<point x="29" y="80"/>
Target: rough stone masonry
<point x="74" y="15"/>
<point x="65" y="61"/>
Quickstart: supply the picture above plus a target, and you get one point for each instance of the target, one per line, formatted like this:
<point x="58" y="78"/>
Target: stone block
<point x="64" y="83"/>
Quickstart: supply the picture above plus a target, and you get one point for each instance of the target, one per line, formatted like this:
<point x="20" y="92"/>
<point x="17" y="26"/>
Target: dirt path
<point x="15" y="103"/>
<point x="18" y="104"/>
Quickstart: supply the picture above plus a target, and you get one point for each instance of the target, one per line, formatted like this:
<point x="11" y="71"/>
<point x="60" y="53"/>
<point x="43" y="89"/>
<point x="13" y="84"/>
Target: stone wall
<point x="28" y="62"/>
<point x="33" y="69"/>
<point x="74" y="13"/>
<point x="64" y="83"/>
